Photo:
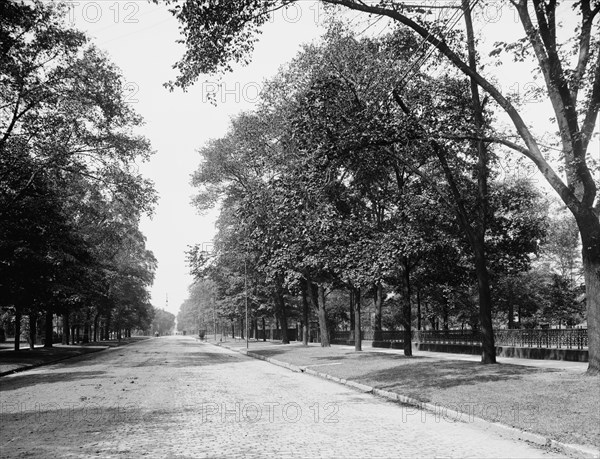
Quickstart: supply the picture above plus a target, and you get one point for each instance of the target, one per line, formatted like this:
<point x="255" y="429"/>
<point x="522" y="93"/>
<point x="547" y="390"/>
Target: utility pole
<point x="246" y="295"/>
<point x="214" y="316"/>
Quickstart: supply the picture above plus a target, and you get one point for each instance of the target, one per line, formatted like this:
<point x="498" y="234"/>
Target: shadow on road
<point x="29" y="380"/>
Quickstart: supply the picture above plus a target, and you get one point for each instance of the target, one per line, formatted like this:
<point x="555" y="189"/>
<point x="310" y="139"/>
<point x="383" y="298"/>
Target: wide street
<point x="176" y="397"/>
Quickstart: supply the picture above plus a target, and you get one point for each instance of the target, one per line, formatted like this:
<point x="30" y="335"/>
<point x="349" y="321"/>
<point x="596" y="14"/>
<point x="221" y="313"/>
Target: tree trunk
<point x="418" y="309"/>
<point x="66" y="329"/>
<point x="18" y="316"/>
<point x="107" y="327"/>
<point x="32" y="330"/>
<point x="589" y="228"/>
<point x="285" y="339"/>
<point x="445" y="316"/>
<point x="357" y="324"/>
<point x="281" y="309"/>
<point x="86" y="331"/>
<point x="485" y="300"/>
<point x="433" y="322"/>
<point x="49" y="329"/>
<point x="351" y="314"/>
<point x="305" y="315"/>
<point x="264" y="329"/>
<point x="232" y="330"/>
<point x="316" y="295"/>
<point x="511" y="308"/>
<point x="96" y="325"/>
<point x="406" y="309"/>
<point x="378" y="303"/>
<point x="322" y="313"/>
<point x="592" y="290"/>
<point x="488" y="348"/>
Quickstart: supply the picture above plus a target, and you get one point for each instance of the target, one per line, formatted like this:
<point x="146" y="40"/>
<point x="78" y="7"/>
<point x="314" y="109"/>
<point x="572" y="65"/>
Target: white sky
<point x="140" y="38"/>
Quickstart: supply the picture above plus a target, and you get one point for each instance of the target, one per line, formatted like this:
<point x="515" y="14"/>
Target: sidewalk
<point x="548" y="363"/>
<point x="12" y="362"/>
<point x="565" y="365"/>
<point x="547" y="402"/>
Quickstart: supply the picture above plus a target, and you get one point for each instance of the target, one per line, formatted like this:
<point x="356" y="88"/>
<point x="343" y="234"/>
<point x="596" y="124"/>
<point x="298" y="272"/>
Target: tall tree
<point x="573" y="90"/>
<point x="69" y="185"/>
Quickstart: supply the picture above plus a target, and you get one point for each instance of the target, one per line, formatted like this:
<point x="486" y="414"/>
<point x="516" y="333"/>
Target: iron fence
<point x="468" y="337"/>
<point x="566" y="338"/>
<point x="346" y="335"/>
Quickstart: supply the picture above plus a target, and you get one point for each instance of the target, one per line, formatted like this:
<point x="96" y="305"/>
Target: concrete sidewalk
<point x="548" y="363"/>
<point x="562" y="365"/>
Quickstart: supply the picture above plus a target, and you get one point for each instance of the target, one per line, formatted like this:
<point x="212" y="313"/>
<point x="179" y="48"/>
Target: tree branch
<point x="426" y="178"/>
<point x="440" y="151"/>
<point x="551" y="176"/>
<point x="550" y="65"/>
<point x="505" y="142"/>
<point x="591" y="111"/>
<point x="584" y="46"/>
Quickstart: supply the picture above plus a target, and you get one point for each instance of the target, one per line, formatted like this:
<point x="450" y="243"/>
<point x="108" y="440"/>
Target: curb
<point x="501" y="429"/>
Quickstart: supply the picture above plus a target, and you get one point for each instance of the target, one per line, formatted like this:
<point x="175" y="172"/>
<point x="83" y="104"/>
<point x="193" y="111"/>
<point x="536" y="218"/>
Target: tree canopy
<point x="217" y="35"/>
<point x="71" y="197"/>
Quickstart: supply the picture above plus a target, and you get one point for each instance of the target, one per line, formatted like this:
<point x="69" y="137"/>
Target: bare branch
<point x="432" y="183"/>
<point x="584" y="46"/>
<point x="505" y="142"/>
<point x="591" y="113"/>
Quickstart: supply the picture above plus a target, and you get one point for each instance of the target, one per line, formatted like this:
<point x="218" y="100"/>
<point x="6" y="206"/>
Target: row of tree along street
<point x="364" y="223"/>
<point x="364" y="171"/>
<point x="70" y="194"/>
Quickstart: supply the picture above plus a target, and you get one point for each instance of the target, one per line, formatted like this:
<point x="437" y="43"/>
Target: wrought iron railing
<point x="566" y="338"/>
<point x="387" y="335"/>
<point x="368" y="335"/>
<point x="447" y="336"/>
<point x="349" y="335"/>
<point x="340" y="336"/>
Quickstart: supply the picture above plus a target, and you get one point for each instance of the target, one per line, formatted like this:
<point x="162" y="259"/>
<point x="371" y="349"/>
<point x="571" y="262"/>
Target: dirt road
<point x="176" y="397"/>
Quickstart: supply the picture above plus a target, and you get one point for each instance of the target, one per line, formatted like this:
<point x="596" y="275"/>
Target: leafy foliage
<point x="70" y="195"/>
<point x="329" y="186"/>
